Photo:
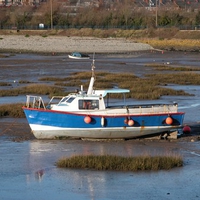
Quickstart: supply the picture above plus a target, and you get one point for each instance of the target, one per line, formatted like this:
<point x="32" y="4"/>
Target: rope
<point x="9" y="127"/>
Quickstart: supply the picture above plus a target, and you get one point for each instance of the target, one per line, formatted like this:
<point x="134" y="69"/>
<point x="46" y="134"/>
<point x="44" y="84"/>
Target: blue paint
<point x="68" y="120"/>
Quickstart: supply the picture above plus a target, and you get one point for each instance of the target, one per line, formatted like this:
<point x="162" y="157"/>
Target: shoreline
<point x="64" y="44"/>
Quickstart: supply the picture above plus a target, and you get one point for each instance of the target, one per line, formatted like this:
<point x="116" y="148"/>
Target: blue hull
<point x="51" y="124"/>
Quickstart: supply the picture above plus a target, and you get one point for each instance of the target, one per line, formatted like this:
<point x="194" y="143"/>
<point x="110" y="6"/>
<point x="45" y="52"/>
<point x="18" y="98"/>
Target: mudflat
<point x="32" y="67"/>
<point x="28" y="165"/>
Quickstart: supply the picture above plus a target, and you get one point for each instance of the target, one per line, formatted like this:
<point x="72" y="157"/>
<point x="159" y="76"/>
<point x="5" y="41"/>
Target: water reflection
<point x="39" y="174"/>
<point x="41" y="153"/>
<point x="29" y="168"/>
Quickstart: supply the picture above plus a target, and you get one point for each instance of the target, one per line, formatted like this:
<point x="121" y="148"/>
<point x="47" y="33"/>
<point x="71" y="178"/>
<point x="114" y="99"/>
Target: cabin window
<point x="68" y="100"/>
<point x="88" y="104"/>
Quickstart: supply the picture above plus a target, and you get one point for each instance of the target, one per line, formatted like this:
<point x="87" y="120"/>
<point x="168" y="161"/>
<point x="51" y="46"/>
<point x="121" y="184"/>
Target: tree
<point x="197" y="19"/>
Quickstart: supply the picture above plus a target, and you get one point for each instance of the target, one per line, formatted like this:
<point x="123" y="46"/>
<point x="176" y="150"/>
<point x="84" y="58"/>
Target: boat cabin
<point x="83" y="101"/>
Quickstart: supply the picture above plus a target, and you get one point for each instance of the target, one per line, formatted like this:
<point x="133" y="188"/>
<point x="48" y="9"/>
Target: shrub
<point x="119" y="163"/>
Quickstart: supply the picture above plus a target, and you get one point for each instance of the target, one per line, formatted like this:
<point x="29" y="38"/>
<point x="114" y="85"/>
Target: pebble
<point x="63" y="44"/>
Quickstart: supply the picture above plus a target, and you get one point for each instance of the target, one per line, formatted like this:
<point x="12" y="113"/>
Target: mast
<point x="90" y="88"/>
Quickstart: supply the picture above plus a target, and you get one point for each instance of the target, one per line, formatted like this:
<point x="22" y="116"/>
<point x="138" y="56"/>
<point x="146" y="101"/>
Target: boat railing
<point x="34" y="102"/>
<point x="149" y="108"/>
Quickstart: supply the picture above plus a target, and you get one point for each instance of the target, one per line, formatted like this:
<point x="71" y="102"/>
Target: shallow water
<point x="28" y="171"/>
<point x="28" y="168"/>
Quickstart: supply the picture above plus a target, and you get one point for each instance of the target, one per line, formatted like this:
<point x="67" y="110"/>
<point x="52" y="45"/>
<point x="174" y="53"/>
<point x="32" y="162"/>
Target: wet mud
<point x="29" y="68"/>
<point x="28" y="165"/>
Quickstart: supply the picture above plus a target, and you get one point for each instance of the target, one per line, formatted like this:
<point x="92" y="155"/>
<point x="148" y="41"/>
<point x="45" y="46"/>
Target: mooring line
<point x="196" y="154"/>
<point x="9" y="127"/>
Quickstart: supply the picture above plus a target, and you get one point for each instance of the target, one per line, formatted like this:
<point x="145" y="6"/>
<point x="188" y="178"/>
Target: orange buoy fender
<point x="102" y="121"/>
<point x="87" y="119"/>
<point x="169" y="120"/>
<point x="126" y="121"/>
<point x="130" y="122"/>
<point x="186" y="129"/>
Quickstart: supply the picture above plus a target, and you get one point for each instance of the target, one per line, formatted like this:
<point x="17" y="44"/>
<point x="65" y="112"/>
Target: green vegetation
<point x="181" y="78"/>
<point x="11" y="110"/>
<point x="148" y="87"/>
<point x="166" y="67"/>
<point x="4" y="84"/>
<point x="24" y="82"/>
<point x="33" y="89"/>
<point x="50" y="78"/>
<point x="119" y="163"/>
<point x="141" y="88"/>
<point x="175" y="43"/>
<point x="124" y="14"/>
<point x="3" y="56"/>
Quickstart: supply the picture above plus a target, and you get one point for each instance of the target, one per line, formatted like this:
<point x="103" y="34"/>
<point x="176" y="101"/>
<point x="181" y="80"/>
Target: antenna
<point x="93" y="66"/>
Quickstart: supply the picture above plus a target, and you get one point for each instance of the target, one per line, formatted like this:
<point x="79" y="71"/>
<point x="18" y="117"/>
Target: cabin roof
<point x="111" y="91"/>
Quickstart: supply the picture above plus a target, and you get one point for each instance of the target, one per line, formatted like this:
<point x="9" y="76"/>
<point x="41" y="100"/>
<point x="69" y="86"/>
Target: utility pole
<point x="51" y="13"/>
<point x="156" y="14"/>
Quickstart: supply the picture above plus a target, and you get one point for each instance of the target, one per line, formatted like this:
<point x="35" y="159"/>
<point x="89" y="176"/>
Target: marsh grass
<point x="34" y="89"/>
<point x="49" y="78"/>
<point x="3" y="56"/>
<point x="4" y="84"/>
<point x="24" y="82"/>
<point x="173" y="44"/>
<point x="149" y="87"/>
<point x="11" y="110"/>
<point x="182" y="78"/>
<point x="119" y="163"/>
<point x="72" y="83"/>
<point x="141" y="88"/>
<point x="165" y="67"/>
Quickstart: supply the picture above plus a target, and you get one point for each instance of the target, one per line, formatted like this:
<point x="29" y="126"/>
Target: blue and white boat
<point x="89" y="115"/>
<point x="77" y="55"/>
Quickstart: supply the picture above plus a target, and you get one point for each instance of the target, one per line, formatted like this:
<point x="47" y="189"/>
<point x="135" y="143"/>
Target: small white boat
<point x="77" y="55"/>
<point x="89" y="114"/>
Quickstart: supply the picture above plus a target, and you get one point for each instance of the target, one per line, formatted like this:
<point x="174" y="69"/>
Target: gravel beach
<point x="63" y="44"/>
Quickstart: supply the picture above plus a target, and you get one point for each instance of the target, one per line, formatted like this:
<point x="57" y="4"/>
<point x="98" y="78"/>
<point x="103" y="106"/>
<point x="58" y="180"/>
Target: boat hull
<point x="75" y="57"/>
<point x="48" y="124"/>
